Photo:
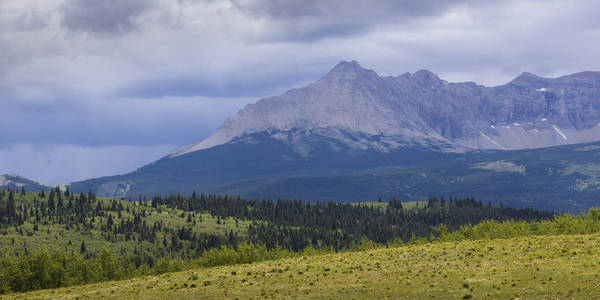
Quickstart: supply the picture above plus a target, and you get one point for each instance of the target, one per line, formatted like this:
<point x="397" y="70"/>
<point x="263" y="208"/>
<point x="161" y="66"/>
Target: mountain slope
<point x="524" y="268"/>
<point x="562" y="178"/>
<point x="260" y="156"/>
<point x="313" y="142"/>
<point x="16" y="182"/>
<point x="528" y="112"/>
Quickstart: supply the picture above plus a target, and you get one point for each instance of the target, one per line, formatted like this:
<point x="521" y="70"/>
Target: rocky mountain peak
<point x="348" y="71"/>
<point x="426" y="78"/>
<point x="344" y="67"/>
<point x="526" y="78"/>
<point x="426" y="74"/>
<point x="528" y="112"/>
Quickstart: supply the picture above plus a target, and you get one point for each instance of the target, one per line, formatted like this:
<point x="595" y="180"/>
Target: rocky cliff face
<point x="421" y="108"/>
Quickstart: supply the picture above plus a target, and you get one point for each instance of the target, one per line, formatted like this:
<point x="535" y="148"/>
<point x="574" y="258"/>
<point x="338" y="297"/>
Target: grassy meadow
<point x="59" y="236"/>
<point x="538" y="267"/>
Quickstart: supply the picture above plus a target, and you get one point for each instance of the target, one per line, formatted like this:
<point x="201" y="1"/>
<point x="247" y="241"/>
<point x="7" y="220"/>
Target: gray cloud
<point x="31" y="20"/>
<point x="259" y="86"/>
<point x="72" y="76"/>
<point x="358" y="9"/>
<point x="131" y="122"/>
<point x="103" y="16"/>
<point x="55" y="163"/>
<point x="318" y="19"/>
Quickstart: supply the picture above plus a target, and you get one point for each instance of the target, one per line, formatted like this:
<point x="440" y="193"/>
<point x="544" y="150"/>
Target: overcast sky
<point x="100" y="87"/>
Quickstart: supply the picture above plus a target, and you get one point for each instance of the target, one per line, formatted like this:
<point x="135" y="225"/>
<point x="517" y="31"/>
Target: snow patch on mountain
<point x="419" y="108"/>
<point x="559" y="132"/>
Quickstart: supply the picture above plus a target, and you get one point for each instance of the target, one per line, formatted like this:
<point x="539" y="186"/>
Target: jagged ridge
<point x="528" y="112"/>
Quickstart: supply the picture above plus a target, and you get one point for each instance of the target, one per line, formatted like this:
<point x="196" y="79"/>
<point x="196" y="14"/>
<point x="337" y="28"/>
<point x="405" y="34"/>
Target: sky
<point x="91" y="88"/>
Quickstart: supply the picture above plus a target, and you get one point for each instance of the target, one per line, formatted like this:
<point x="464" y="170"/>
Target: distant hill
<point x="335" y="138"/>
<point x="562" y="178"/>
<point x="16" y="182"/>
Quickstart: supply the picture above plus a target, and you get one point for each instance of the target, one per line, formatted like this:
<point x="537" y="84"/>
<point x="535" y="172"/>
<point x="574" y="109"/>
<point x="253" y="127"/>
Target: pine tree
<point x="51" y="204"/>
<point x="11" y="208"/>
<point x="82" y="249"/>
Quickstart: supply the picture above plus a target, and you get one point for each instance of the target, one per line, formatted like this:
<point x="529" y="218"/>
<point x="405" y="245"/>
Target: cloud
<point x="116" y="122"/>
<point x="311" y="20"/>
<point x="31" y="20"/>
<point x="103" y="16"/>
<point x="242" y="86"/>
<point x="58" y="164"/>
<point x="108" y="74"/>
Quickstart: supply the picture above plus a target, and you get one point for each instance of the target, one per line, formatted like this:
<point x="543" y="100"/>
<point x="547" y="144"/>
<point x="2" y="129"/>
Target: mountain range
<point x="353" y="121"/>
<point x="528" y="112"/>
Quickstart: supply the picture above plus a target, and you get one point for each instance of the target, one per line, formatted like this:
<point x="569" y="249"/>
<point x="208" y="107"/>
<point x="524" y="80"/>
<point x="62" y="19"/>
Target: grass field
<point x="58" y="236"/>
<point x="14" y="240"/>
<point x="542" y="267"/>
<point x="406" y="205"/>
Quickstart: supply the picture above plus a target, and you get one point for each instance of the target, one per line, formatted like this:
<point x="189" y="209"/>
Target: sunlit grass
<point x="57" y="236"/>
<point x="541" y="267"/>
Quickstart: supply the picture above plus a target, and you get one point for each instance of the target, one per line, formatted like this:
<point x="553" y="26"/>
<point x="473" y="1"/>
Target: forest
<point x="60" y="239"/>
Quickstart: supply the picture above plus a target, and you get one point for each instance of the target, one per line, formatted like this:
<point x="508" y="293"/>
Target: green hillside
<point x="82" y="219"/>
<point x="231" y="247"/>
<point x="55" y="239"/>
<point x="564" y="178"/>
<point x="540" y="267"/>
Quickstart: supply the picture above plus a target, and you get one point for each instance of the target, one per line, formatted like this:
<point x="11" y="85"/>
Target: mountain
<point x="528" y="112"/>
<point x="16" y="182"/>
<point x="561" y="178"/>
<point x="353" y="120"/>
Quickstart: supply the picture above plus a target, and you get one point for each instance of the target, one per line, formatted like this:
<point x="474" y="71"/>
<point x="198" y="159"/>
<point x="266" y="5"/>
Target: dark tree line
<point x="295" y="224"/>
<point x="291" y="224"/>
<point x="83" y="213"/>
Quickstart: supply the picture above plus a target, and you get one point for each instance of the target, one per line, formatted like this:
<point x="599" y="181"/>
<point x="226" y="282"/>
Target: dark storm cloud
<point x="71" y="75"/>
<point x="283" y="9"/>
<point x="103" y="16"/>
<point x="312" y="20"/>
<point x="132" y="122"/>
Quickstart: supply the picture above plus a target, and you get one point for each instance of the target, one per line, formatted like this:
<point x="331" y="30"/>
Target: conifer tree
<point x="11" y="207"/>
<point x="51" y="204"/>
